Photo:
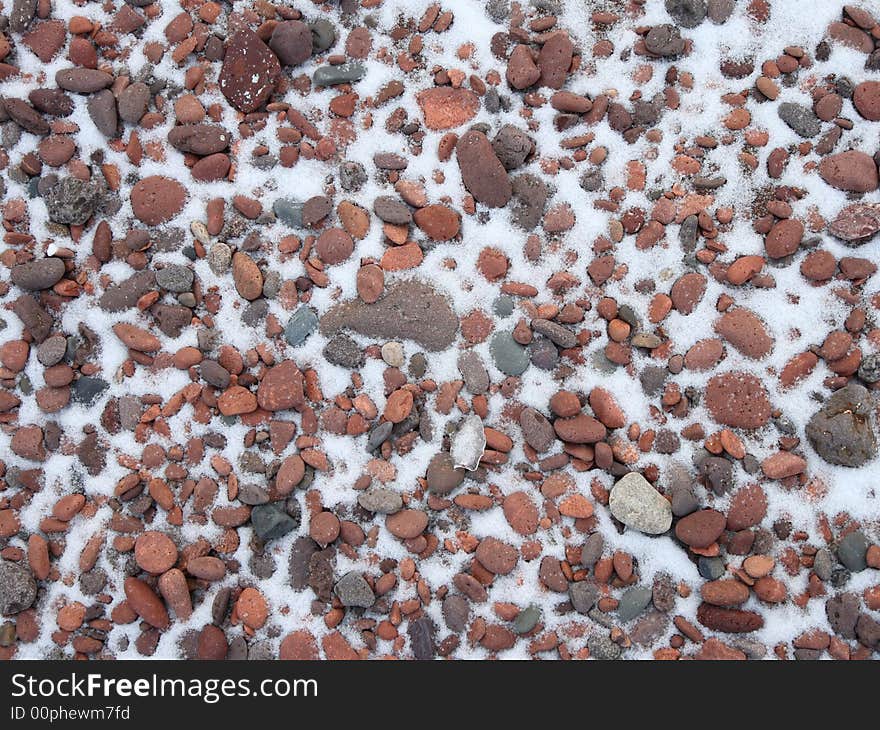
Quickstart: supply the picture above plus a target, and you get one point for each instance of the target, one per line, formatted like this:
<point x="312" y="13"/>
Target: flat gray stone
<point x="300" y="325"/>
<point x="510" y="357"/>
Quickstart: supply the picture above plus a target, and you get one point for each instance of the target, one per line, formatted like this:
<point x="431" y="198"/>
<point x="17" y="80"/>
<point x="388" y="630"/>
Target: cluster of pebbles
<point x="349" y="329"/>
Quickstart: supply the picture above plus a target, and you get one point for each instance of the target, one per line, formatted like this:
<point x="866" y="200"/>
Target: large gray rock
<point x="411" y="310"/>
<point x="841" y="431"/>
<point x="638" y="505"/>
<point x="17" y="588"/>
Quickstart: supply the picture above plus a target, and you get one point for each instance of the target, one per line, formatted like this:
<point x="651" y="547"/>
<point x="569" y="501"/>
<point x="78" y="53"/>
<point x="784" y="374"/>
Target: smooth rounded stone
<point x="102" y="109"/>
<point x="557" y="333"/>
<point x="800" y="119"/>
<point x="823" y="564"/>
<point x="175" y="278"/>
<point x="410" y="309"/>
<point x="583" y="595"/>
<point x="270" y="522"/>
<point x="665" y="41"/>
<point x="249" y="71"/>
<point x="684" y="501"/>
<point x="738" y="399"/>
<point x="512" y="146"/>
<point x="51" y="351"/>
<point x="301" y="324"/>
<point x="378" y="435"/>
<point x="687" y="13"/>
<point x="852" y="551"/>
<point x="157" y="199"/>
<point x="323" y="34"/>
<point x="392" y="210"/>
<point x="380" y="500"/>
<point x="718" y="473"/>
<point x="199" y="139"/>
<point x="18" y="589"/>
<point x="638" y="505"/>
<point x="133" y="101"/>
<point x="39" y="274"/>
<point x="456" y="611"/>
<point x="530" y="194"/>
<point x="353" y="590"/>
<point x="503" y="306"/>
<point x="468" y="443"/>
<point x="481" y="171"/>
<point x="633" y="601"/>
<point x="87" y="389"/>
<point x="53" y="102"/>
<point x="543" y="353"/>
<point x="442" y="474"/>
<point x="213" y="373"/>
<point x="342" y="350"/>
<point x="346" y="73"/>
<point x="219" y="258"/>
<point x="289" y="212"/>
<point x="592" y="549"/>
<point x="852" y="171"/>
<point x="526" y="620"/>
<point x="841" y="431"/>
<point x="82" y="80"/>
<point x="292" y="42"/>
<point x="510" y="357"/>
<point x="537" y="430"/>
<point x="71" y="201"/>
<point x="473" y="372"/>
<point x="392" y="354"/>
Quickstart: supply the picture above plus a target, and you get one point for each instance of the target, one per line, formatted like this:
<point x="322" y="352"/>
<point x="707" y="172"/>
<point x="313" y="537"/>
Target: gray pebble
<point x="526" y="619"/>
<point x="344" y="74"/>
<point x="583" y="596"/>
<point x="633" y="601"/>
<point x="473" y="372"/>
<point x="852" y="551"/>
<point x="380" y="500"/>
<point x="302" y="323"/>
<point x="800" y="119"/>
<point x="175" y="278"/>
<point x="342" y="350"/>
<point x="352" y="589"/>
<point x="86" y="389"/>
<point x="602" y="648"/>
<point x="18" y="590"/>
<point x="289" y="212"/>
<point x="510" y="357"/>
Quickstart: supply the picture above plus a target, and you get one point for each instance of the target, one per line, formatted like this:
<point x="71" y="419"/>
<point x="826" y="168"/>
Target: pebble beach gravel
<point x="456" y="330"/>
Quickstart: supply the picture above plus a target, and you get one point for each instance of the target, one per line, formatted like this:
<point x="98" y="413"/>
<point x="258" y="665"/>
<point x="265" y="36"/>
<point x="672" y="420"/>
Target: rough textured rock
<point x="409" y="309"/>
<point x="841" y="431"/>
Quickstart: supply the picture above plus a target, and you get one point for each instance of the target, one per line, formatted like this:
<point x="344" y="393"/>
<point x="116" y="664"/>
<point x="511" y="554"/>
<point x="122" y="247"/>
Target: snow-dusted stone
<point x="468" y="443"/>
